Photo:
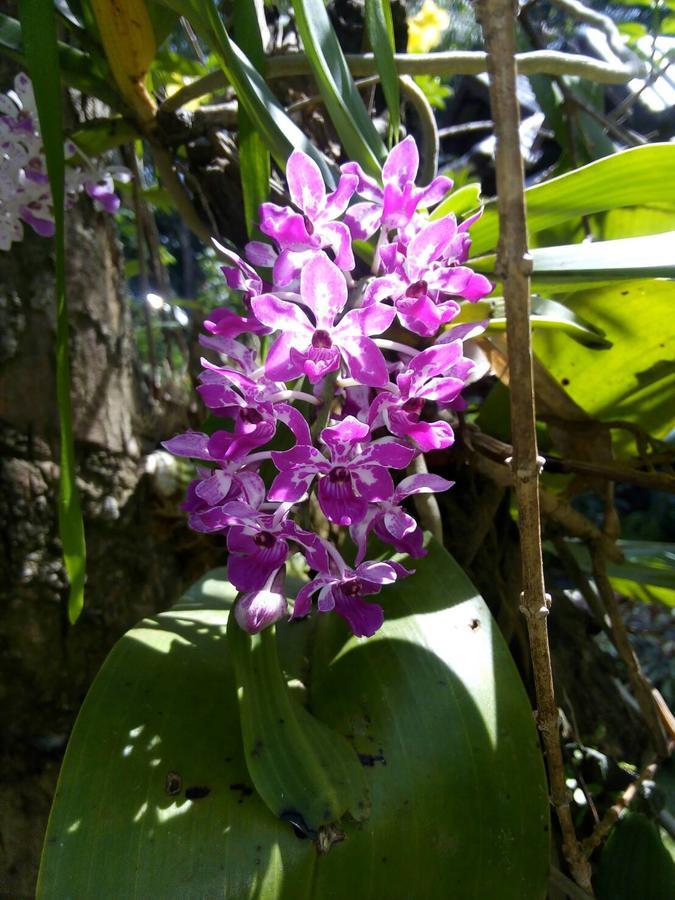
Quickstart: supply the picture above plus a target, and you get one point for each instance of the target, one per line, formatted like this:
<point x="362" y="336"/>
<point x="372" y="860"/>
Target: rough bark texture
<point x="137" y="543"/>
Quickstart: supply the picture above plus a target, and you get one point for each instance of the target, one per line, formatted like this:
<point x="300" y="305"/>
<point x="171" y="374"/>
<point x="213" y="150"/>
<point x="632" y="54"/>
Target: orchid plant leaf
<point x="42" y="56"/>
<point x="343" y="102"/>
<point x="156" y="766"/>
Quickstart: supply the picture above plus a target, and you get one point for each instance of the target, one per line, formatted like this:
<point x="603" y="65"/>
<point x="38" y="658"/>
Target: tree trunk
<point x="138" y="559"/>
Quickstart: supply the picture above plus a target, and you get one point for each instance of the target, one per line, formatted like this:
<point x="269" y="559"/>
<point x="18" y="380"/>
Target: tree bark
<point x="140" y="554"/>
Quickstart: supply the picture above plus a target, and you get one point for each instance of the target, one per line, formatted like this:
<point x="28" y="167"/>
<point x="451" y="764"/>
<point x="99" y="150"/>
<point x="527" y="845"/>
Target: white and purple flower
<point x="373" y="402"/>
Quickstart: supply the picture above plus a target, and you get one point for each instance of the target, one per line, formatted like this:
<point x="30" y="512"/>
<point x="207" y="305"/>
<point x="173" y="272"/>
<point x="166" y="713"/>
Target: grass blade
<point x="254" y="157"/>
<point x="42" y="55"/>
<point x="343" y="102"/>
<point x="381" y="36"/>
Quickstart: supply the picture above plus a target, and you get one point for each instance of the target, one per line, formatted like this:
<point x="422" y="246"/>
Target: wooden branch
<point x="641" y="686"/>
<point x="362" y="65"/>
<point x="604" y="826"/>
<point x="553" y="506"/>
<point x="513" y="267"/>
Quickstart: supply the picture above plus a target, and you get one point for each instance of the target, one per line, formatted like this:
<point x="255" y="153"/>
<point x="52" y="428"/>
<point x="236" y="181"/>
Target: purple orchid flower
<point x="263" y="607"/>
<point x="435" y="375"/>
<point x="315" y="348"/>
<point x="230" y="480"/>
<point x="254" y="405"/>
<point x="258" y="544"/>
<point x="344" y="593"/>
<point x="393" y="205"/>
<point x="356" y="474"/>
<point x="394" y="525"/>
<point x="419" y="280"/>
<point x="314" y="227"/>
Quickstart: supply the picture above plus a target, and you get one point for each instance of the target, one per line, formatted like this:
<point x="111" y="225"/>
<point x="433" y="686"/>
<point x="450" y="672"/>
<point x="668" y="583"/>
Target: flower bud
<point x="259" y="609"/>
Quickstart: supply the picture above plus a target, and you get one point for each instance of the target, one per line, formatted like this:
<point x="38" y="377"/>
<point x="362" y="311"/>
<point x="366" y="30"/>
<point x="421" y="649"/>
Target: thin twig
<point x="655" y="481"/>
<point x="513" y="263"/>
<point x="363" y="65"/>
<point x="641" y="687"/>
<point x="605" y="824"/>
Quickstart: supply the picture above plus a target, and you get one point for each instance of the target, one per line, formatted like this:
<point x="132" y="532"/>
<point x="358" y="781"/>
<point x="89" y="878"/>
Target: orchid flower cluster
<point x="25" y="195"/>
<point x="373" y="401"/>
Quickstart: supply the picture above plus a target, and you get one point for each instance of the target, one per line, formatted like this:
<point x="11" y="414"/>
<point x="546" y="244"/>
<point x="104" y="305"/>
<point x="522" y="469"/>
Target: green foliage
<point x="648" y="573"/>
<point x="343" y="102"/>
<point x="632" y="178"/>
<point x="297" y="764"/>
<point x="42" y="57"/>
<point x="635" y="378"/>
<point x="634" y="863"/>
<point x="254" y="157"/>
<point x="381" y="38"/>
<point x="456" y="781"/>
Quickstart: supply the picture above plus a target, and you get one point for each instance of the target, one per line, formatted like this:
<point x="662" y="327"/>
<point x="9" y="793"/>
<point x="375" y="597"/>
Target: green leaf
<point x="647" y="575"/>
<point x="163" y="20"/>
<point x="545" y="314"/>
<point x="433" y="704"/>
<point x="634" y="863"/>
<point x="39" y="35"/>
<point x="343" y="102"/>
<point x="634" y="177"/>
<point x="640" y="257"/>
<point x="98" y="136"/>
<point x="381" y="38"/>
<point x="636" y="379"/>
<point x="300" y="768"/>
<point x="459" y="202"/>
<point x="77" y="69"/>
<point x="254" y="157"/>
<point x="576" y="266"/>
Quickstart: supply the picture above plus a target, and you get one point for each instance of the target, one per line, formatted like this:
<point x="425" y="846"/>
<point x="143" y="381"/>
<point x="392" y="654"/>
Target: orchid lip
<point x="418" y="289"/>
<point x="339" y="475"/>
<point x="264" y="539"/>
<point x="321" y="340"/>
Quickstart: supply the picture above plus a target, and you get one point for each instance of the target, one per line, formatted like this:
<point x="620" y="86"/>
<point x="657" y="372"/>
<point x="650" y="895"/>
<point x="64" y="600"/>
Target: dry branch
<point x="513" y="267"/>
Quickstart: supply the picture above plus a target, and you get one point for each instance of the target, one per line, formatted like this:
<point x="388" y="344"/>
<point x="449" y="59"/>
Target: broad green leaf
<point x="459" y="202"/>
<point x="163" y="20"/>
<point x="381" y="38"/>
<point x="635" y="379"/>
<point x="634" y="863"/>
<point x="304" y="771"/>
<point x="545" y="314"/>
<point x="640" y="257"/>
<point x="633" y="177"/>
<point x="433" y="705"/>
<point x="648" y="573"/>
<point x="343" y="102"/>
<point x="254" y="157"/>
<point x="576" y="266"/>
<point x="77" y="69"/>
<point x="39" y="36"/>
